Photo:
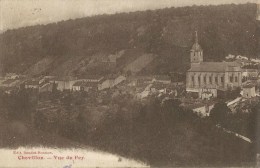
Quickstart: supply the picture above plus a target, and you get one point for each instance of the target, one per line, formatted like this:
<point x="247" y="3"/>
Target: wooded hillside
<point x="224" y="29"/>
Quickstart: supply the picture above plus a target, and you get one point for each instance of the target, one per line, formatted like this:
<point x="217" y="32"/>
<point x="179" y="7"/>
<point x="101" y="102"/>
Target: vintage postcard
<point x="129" y="83"/>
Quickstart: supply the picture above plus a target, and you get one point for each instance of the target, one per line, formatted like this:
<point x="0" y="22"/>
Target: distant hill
<point x="168" y="33"/>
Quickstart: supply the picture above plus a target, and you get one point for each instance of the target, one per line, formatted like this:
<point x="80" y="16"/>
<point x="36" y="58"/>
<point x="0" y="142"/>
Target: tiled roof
<point x="250" y="70"/>
<point x="32" y="82"/>
<point x="197" y="105"/>
<point x="112" y="77"/>
<point x="159" y="85"/>
<point x="85" y="84"/>
<point x="162" y="77"/>
<point x="63" y="78"/>
<point x="214" y="67"/>
<point x="9" y="81"/>
<point x="249" y="86"/>
<point x="10" y="74"/>
<point x="93" y="77"/>
<point x="196" y="47"/>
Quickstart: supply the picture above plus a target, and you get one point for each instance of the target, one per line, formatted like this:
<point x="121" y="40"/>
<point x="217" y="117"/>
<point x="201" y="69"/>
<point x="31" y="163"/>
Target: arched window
<point x="192" y="79"/>
<point x="231" y="78"/>
<point x="222" y="79"/>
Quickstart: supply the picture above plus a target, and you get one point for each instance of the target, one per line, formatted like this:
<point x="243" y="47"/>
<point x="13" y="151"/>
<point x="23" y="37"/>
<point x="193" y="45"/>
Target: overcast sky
<point x="19" y="13"/>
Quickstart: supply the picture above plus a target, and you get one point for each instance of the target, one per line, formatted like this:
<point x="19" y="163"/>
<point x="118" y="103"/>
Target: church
<point x="211" y="75"/>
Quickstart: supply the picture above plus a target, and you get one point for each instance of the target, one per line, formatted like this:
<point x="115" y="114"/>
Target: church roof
<point x="214" y="67"/>
<point x="196" y="47"/>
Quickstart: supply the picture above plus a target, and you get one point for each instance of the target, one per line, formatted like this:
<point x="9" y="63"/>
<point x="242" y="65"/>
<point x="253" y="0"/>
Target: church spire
<point x="196" y="55"/>
<point x="196" y="37"/>
<point x="196" y="45"/>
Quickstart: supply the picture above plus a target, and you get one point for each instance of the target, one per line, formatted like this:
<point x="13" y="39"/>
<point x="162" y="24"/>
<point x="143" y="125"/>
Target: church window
<point x="231" y="78"/>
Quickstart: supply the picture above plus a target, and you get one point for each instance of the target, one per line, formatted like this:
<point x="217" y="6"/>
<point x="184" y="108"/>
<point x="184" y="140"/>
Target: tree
<point x="253" y="124"/>
<point x="219" y="112"/>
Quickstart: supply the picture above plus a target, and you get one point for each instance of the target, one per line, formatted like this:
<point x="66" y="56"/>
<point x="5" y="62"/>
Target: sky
<point x="20" y="13"/>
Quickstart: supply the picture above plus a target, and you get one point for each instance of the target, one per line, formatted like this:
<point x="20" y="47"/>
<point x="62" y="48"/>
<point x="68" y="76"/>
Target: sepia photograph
<point x="129" y="83"/>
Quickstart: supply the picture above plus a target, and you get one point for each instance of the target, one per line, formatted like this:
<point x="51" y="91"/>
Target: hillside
<point x="167" y="33"/>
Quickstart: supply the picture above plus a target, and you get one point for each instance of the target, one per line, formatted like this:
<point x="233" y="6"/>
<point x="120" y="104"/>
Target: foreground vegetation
<point x="157" y="132"/>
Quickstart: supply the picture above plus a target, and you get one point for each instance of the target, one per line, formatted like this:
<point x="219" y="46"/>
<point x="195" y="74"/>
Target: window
<point x="231" y="78"/>
<point x="199" y="79"/>
<point x="192" y="78"/>
<point x="210" y="80"/>
<point x="204" y="79"/>
<point x="236" y="79"/>
<point x="216" y="79"/>
<point x="222" y="79"/>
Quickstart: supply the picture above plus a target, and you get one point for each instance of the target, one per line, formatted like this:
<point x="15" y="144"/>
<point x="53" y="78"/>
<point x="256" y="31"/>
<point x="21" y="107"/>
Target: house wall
<point x="88" y="88"/>
<point x="202" y="94"/>
<point x="65" y="85"/>
<point x="204" y="111"/>
<point x="249" y="92"/>
<point x="46" y="88"/>
<point x="119" y="80"/>
<point x="200" y="111"/>
<point x="105" y="85"/>
<point x="249" y="73"/>
<point x="76" y="88"/>
<point x="31" y="86"/>
<point x="163" y="81"/>
<point x="109" y="83"/>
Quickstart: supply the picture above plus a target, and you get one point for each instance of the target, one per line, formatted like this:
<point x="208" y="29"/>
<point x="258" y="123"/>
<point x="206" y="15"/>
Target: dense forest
<point x="223" y="29"/>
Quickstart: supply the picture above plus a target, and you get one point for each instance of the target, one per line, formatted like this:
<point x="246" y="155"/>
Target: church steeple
<point x="196" y="53"/>
<point x="196" y="37"/>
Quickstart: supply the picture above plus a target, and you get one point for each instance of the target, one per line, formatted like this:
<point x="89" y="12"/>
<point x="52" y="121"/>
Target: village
<point x="201" y="90"/>
<point x="197" y="97"/>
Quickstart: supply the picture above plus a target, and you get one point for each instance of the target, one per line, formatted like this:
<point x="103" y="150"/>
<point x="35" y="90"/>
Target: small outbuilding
<point x="249" y="91"/>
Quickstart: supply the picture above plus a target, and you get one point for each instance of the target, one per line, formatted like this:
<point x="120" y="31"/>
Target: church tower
<point x="196" y="53"/>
